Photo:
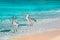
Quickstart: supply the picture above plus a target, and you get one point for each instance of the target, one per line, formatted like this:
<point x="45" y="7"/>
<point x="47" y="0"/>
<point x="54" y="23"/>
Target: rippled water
<point x="42" y="17"/>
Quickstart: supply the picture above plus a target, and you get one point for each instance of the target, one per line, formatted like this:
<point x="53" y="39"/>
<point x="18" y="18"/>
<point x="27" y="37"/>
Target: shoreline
<point x="51" y="35"/>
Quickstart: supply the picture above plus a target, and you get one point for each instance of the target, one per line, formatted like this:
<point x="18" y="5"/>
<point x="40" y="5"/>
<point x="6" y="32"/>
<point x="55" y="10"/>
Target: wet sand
<point x="51" y="35"/>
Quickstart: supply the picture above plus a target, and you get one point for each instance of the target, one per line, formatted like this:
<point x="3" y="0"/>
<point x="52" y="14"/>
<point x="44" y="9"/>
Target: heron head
<point x="26" y="15"/>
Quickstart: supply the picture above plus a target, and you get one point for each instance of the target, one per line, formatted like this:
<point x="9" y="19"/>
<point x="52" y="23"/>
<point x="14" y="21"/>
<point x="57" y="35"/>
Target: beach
<point x="52" y="35"/>
<point x="46" y="29"/>
<point x="51" y="31"/>
<point x="29" y="20"/>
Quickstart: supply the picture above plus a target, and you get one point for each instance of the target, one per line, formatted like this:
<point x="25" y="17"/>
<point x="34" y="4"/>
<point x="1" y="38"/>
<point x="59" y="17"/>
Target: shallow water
<point x="47" y="14"/>
<point x="46" y="21"/>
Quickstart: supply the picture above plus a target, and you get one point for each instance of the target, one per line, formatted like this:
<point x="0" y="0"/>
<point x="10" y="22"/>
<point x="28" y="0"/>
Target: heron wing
<point x="32" y="19"/>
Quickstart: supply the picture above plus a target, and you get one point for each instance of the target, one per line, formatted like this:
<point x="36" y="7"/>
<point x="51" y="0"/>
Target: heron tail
<point x="35" y="20"/>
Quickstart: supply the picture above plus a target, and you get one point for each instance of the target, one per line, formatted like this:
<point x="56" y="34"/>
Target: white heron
<point x="29" y="19"/>
<point x="15" y="24"/>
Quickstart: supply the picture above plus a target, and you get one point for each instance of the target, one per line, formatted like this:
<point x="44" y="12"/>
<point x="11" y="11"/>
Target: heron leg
<point x="15" y="29"/>
<point x="31" y="24"/>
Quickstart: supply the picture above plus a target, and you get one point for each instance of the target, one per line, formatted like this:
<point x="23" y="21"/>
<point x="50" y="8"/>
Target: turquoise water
<point x="19" y="7"/>
<point x="41" y="10"/>
<point x="38" y="9"/>
<point x="34" y="14"/>
<point x="35" y="9"/>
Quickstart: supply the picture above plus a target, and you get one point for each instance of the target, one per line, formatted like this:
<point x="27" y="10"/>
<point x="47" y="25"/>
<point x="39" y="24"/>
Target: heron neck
<point x="27" y="16"/>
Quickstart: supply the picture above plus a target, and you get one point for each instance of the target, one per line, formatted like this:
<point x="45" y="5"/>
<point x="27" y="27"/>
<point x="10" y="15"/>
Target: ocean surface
<point x="47" y="14"/>
<point x="44" y="20"/>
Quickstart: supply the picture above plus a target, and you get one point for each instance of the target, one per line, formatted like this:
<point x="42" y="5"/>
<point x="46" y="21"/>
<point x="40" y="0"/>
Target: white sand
<point x="53" y="35"/>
